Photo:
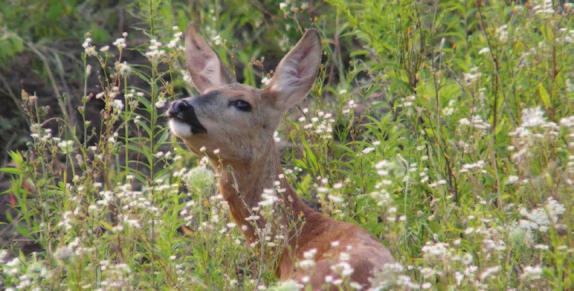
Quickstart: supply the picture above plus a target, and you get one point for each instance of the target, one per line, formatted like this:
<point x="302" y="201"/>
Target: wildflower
<point x="268" y="198"/>
<point x="64" y="253"/>
<point x="458" y="276"/>
<point x="544" y="7"/>
<point x="436" y="250"/>
<point x="531" y="273"/>
<point x="154" y="52"/>
<point x="408" y="101"/>
<point x="160" y="103"/>
<point x="476" y="122"/>
<point x="542" y="218"/>
<point x="276" y="137"/>
<point x="437" y="183"/>
<point x="343" y="268"/>
<point x="502" y="33"/>
<point x="473" y="167"/>
<point x="105" y="48"/>
<point x="483" y="51"/>
<point x="176" y="38"/>
<point x="123" y="68"/>
<point x="533" y="117"/>
<point x="216" y="39"/>
<point x="512" y="180"/>
<point x="567" y="121"/>
<point x="120" y="43"/>
<point x="89" y="49"/>
<point x="449" y="109"/>
<point x="266" y="81"/>
<point x="118" y="105"/>
<point x="383" y="167"/>
<point x="306" y="264"/>
<point x="66" y="146"/>
<point x="368" y="150"/>
<point x="473" y="75"/>
<point x="489" y="272"/>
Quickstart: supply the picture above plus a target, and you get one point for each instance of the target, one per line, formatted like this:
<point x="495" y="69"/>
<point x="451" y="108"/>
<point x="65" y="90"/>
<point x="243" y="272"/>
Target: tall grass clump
<point x="445" y="128"/>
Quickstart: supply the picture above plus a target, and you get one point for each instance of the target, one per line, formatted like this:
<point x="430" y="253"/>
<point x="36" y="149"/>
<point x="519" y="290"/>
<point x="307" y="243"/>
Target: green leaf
<point x="544" y="95"/>
<point x="10" y="171"/>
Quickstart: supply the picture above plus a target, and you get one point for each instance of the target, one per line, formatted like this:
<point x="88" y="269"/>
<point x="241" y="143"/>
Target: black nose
<point x="183" y="111"/>
<point x="178" y="107"/>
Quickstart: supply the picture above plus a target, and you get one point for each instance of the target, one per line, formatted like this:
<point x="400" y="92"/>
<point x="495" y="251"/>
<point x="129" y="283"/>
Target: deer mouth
<point x="186" y="115"/>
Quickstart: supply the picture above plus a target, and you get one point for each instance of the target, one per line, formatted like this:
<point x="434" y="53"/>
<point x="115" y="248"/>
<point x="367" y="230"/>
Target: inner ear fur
<point x="206" y="69"/>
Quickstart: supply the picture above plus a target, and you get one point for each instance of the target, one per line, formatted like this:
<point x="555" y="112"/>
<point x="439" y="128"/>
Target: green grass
<point x="444" y="128"/>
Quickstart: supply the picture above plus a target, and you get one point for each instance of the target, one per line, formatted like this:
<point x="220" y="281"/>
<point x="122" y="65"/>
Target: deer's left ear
<point x="296" y="72"/>
<point x="207" y="71"/>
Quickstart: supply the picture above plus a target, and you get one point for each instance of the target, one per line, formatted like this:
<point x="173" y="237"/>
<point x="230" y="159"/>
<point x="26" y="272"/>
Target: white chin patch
<point x="179" y="128"/>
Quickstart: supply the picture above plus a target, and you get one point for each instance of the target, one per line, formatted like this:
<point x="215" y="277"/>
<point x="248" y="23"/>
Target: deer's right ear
<point x="206" y="69"/>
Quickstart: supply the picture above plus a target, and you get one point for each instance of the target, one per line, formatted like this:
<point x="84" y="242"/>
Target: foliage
<point x="445" y="128"/>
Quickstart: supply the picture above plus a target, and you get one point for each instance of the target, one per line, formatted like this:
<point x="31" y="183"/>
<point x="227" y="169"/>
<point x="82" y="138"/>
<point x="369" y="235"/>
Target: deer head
<point x="239" y="120"/>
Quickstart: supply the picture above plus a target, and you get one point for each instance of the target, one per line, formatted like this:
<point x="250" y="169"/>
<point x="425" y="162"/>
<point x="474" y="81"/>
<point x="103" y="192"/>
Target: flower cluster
<point x="320" y="125"/>
<point x="534" y="130"/>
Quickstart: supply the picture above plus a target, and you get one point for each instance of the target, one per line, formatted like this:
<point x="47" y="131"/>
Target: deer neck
<point x="242" y="183"/>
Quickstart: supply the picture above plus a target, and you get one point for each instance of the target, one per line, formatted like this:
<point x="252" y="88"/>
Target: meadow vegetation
<point x="444" y="128"/>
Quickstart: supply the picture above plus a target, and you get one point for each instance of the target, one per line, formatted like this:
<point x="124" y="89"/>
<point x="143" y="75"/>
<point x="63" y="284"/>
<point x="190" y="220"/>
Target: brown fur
<point x="248" y="161"/>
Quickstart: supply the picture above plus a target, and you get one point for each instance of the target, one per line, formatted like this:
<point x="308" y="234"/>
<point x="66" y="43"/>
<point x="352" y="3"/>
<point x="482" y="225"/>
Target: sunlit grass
<point x="444" y="129"/>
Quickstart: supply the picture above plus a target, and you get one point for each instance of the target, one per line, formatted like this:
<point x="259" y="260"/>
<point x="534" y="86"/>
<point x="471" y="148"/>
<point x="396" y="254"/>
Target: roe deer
<point x="239" y="121"/>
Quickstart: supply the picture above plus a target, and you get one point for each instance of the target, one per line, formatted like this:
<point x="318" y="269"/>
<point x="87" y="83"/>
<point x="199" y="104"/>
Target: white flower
<point x="268" y="198"/>
<point x="476" y="122"/>
<point x="483" y="51"/>
<point x="160" y="103"/>
<point x="383" y="167"/>
<point x="502" y="33"/>
<point x="544" y="8"/>
<point x="276" y="136"/>
<point x="306" y="264"/>
<point x="542" y="218"/>
<point x="368" y="150"/>
<point x="343" y="268"/>
<point x="64" y="253"/>
<point x="216" y="39"/>
<point x="118" y="104"/>
<point x="66" y="146"/>
<point x="532" y="117"/>
<point x="120" y="43"/>
<point x="154" y="51"/>
<point x="87" y="42"/>
<point x="531" y="273"/>
<point x="489" y="272"/>
<point x="310" y="254"/>
<point x="512" y="180"/>
<point x="335" y="199"/>
<point x="89" y="49"/>
<point x="567" y="121"/>
<point x="435" y="250"/>
<point x="473" y="75"/>
<point x="473" y="166"/>
<point x="123" y="68"/>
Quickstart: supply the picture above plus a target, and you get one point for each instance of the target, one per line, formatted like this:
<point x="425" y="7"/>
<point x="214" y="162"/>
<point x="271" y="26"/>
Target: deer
<point x="233" y="125"/>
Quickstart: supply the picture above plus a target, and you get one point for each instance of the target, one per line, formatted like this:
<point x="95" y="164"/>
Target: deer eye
<point x="240" y="105"/>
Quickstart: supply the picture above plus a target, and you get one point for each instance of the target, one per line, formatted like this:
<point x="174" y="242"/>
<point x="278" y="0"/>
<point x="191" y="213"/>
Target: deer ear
<point x="296" y="72"/>
<point x="206" y="69"/>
